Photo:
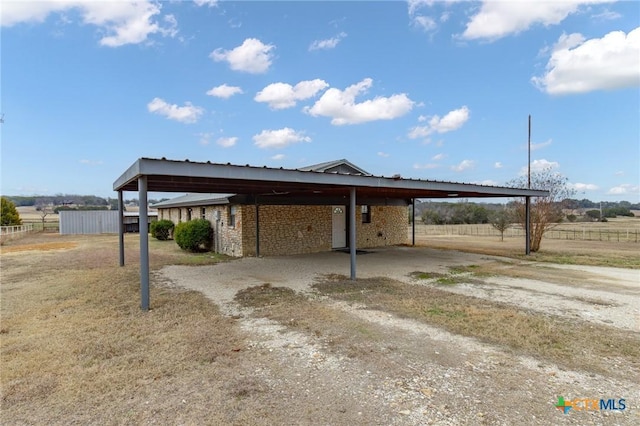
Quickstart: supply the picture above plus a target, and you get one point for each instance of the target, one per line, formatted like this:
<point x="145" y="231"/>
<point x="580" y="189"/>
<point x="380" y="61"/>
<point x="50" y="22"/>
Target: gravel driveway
<point x="431" y="376"/>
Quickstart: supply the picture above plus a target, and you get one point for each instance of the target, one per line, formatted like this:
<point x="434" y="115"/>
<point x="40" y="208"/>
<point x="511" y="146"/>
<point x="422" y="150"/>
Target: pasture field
<point x="424" y="336"/>
<point x="29" y="214"/>
<point x="621" y="229"/>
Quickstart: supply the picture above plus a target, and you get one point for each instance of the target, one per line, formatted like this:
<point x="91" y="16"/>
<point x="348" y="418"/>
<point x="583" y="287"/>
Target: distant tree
<point x="432" y="217"/>
<point x="593" y="215"/>
<point x="45" y="209"/>
<point x="617" y="211"/>
<point x="501" y="221"/>
<point x="572" y="218"/>
<point x="10" y="215"/>
<point x="546" y="212"/>
<point x="572" y="203"/>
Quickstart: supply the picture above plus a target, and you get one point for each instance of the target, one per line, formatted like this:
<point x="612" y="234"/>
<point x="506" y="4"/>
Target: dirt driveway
<point x="414" y="373"/>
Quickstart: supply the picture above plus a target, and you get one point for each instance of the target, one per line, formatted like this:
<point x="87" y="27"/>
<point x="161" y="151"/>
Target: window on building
<point x="179" y="215"/>
<point x="366" y="214"/>
<point x="232" y="216"/>
<point x="188" y="215"/>
<point x="203" y="213"/>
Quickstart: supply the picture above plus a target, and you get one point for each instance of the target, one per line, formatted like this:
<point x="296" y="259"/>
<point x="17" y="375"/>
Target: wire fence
<point x="576" y="233"/>
<point x="46" y="226"/>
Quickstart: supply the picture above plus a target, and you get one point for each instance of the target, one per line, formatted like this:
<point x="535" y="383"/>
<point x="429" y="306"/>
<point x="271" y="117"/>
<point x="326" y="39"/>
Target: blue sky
<point x="426" y="89"/>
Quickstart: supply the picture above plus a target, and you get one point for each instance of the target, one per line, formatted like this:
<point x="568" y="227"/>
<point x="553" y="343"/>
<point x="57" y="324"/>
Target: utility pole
<point x="527" y="205"/>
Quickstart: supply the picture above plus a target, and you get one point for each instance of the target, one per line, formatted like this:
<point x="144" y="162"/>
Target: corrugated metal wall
<point x="89" y="222"/>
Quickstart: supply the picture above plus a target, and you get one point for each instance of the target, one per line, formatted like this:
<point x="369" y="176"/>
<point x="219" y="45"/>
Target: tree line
<point x="80" y="202"/>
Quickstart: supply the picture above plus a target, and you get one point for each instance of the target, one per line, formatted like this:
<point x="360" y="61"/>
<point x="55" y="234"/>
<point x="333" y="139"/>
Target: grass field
<point x="620" y="229"/>
<point x="75" y="347"/>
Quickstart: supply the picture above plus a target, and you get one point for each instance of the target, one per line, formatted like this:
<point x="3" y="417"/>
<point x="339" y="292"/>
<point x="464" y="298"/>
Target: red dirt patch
<point x="63" y="245"/>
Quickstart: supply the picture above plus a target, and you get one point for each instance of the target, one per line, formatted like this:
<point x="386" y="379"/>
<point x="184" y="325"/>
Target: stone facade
<point x="290" y="229"/>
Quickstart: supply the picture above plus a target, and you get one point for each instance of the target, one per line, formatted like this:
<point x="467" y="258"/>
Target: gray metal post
<point x="352" y="232"/>
<point x="121" y="226"/>
<point x="144" y="243"/>
<point x="527" y="226"/>
<point x="413" y="222"/>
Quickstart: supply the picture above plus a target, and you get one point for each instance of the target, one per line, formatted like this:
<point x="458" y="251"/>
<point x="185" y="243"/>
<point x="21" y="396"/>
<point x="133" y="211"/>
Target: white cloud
<point x="382" y="154"/>
<point x="497" y="19"/>
<point x="619" y="173"/>
<point x="438" y="157"/>
<point x="279" y="138"/>
<point x="607" y="15"/>
<point x="425" y="23"/>
<point x="210" y="3"/>
<point x="120" y="22"/>
<point x="419" y="20"/>
<point x="278" y="157"/>
<point x="540" y="165"/>
<point x="427" y="166"/>
<point x="497" y="165"/>
<point x="205" y="138"/>
<point x="453" y="120"/>
<point x="581" y="187"/>
<point x="225" y="92"/>
<point x="577" y="65"/>
<point x="464" y="165"/>
<point x="624" y="189"/>
<point x="330" y="43"/>
<point x="537" y="146"/>
<point x="283" y="95"/>
<point x="414" y="5"/>
<point x="227" y="142"/>
<point x="184" y="114"/>
<point x="251" y="56"/>
<point x="343" y="109"/>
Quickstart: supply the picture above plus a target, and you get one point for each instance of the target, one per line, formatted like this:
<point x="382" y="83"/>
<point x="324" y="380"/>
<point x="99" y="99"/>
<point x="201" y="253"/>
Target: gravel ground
<point x="421" y="374"/>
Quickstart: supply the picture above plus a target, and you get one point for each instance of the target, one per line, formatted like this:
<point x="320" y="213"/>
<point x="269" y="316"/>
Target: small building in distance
<point x="100" y="221"/>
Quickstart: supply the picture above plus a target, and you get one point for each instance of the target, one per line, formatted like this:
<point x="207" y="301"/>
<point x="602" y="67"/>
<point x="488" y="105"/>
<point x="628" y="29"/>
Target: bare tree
<point x="546" y="212"/>
<point x="501" y="221"/>
<point x="45" y="209"/>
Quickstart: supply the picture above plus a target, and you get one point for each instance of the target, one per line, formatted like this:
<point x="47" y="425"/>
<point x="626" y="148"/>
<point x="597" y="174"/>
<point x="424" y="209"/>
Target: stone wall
<point x="388" y="227"/>
<point x="287" y="229"/>
<point x="227" y="238"/>
<point x="292" y="229"/>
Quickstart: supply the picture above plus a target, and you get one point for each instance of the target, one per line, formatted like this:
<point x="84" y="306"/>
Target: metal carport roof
<point x="162" y="175"/>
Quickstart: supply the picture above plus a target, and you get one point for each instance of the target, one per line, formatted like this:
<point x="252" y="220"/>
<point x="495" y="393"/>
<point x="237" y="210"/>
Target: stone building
<point x="282" y="223"/>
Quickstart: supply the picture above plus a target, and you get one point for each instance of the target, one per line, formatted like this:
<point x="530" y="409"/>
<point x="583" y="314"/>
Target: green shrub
<point x="194" y="235"/>
<point x="10" y="215"/>
<point x="161" y="229"/>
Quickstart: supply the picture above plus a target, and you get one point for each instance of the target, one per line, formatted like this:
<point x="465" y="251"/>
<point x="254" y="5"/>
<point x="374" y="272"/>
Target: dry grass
<point x="75" y="346"/>
<point x="572" y="344"/>
<point x="342" y="332"/>
<point x="596" y="253"/>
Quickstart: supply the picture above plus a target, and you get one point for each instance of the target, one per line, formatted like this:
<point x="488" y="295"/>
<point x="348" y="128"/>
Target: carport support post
<point x="527" y="226"/>
<point x="121" y="226"/>
<point x="143" y="229"/>
<point x="352" y="232"/>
